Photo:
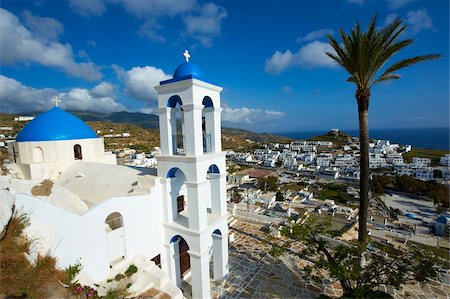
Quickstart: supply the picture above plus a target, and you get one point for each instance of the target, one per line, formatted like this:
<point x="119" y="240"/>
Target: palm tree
<point x="363" y="55"/>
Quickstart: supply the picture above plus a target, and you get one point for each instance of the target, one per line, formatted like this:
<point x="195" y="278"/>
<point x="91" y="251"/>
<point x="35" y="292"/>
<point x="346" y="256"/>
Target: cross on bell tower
<point x="186" y="55"/>
<point x="193" y="175"/>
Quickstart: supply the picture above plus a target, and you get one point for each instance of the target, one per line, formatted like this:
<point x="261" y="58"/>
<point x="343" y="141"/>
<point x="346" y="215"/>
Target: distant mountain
<point x="136" y="118"/>
<point x="151" y="121"/>
<point x="258" y="137"/>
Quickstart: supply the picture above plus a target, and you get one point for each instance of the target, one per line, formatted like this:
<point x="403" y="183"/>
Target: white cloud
<point x="202" y="21"/>
<point x="153" y="11"/>
<point x="205" y="25"/>
<point x="395" y="4"/>
<point x="419" y="20"/>
<point x="17" y="97"/>
<point x="140" y="81"/>
<point x="19" y="45"/>
<point x="88" y="7"/>
<point x="156" y="8"/>
<point x="95" y="99"/>
<point x="246" y="115"/>
<point x="315" y="35"/>
<point x="279" y="62"/>
<point x="42" y="27"/>
<point x="104" y="89"/>
<point x="311" y="55"/>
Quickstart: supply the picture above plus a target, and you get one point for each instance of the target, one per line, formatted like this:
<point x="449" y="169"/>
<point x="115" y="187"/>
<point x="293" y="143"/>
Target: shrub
<point x="131" y="270"/>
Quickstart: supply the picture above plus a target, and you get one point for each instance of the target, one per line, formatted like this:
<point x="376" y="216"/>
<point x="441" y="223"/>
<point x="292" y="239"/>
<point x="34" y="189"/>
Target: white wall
<point x="84" y="237"/>
<point x="58" y="155"/>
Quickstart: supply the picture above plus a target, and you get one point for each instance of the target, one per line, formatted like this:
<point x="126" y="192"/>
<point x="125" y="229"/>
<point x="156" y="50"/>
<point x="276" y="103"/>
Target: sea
<point x="432" y="138"/>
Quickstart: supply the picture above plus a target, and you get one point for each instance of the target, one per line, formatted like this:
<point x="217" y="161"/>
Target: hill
<point x="338" y="138"/>
<point x="143" y="129"/>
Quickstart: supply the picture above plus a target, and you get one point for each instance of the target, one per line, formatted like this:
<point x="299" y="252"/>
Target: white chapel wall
<point x="83" y="236"/>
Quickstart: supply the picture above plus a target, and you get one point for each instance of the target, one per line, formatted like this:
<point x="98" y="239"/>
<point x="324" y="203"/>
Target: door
<point x="180" y="203"/>
<point x="185" y="260"/>
<point x="115" y="238"/>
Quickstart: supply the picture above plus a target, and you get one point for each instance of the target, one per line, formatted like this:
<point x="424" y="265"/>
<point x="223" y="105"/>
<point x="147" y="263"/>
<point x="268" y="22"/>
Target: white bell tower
<point x="192" y="170"/>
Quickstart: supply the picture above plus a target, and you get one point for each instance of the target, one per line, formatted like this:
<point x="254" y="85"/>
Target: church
<point x="103" y="214"/>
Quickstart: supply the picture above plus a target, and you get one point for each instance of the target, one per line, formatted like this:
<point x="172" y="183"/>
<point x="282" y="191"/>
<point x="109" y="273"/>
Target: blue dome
<point x="54" y="125"/>
<point x="410" y="215"/>
<point x="187" y="69"/>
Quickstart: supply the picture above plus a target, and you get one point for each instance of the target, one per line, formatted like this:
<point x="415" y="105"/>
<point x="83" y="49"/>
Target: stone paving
<point x="255" y="274"/>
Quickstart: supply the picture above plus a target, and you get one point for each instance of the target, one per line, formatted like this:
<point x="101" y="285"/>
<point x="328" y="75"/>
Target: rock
<point x="6" y="209"/>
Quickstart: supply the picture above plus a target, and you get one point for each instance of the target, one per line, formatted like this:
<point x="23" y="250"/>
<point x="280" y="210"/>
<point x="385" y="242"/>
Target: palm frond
<point x="364" y="54"/>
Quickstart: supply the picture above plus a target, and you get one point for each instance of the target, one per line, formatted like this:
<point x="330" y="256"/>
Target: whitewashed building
<point x="106" y="214"/>
<point x="445" y="160"/>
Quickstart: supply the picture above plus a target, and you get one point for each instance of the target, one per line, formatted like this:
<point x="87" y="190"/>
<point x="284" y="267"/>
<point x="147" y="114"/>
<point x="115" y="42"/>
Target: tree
<point x="363" y="55"/>
<point x="342" y="261"/>
<point x="279" y="196"/>
<point x="269" y="183"/>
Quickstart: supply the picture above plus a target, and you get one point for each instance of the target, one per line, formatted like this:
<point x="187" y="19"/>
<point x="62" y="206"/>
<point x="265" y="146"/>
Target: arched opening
<point x="115" y="237"/>
<point x="218" y="259"/>
<point x="213" y="189"/>
<point x="178" y="194"/>
<point x="177" y="125"/>
<point x="38" y="154"/>
<point x="181" y="257"/>
<point x="207" y="119"/>
<point x="78" y="155"/>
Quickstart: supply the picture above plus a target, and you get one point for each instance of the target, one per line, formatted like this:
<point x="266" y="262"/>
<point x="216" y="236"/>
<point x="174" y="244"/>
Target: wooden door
<point x="180" y="203"/>
<point x="185" y="261"/>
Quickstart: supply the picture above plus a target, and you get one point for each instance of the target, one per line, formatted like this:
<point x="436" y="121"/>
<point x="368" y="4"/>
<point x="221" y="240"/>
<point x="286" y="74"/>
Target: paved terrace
<point x="256" y="274"/>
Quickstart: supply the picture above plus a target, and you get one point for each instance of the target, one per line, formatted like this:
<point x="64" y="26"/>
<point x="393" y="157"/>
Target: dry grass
<point x="44" y="189"/>
<point x="18" y="277"/>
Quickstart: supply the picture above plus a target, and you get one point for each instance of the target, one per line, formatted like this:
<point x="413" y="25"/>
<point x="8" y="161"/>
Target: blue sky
<point x="106" y="55"/>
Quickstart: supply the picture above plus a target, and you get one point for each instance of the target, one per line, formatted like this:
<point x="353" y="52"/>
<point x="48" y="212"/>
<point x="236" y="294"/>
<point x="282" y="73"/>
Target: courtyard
<point x="255" y="274"/>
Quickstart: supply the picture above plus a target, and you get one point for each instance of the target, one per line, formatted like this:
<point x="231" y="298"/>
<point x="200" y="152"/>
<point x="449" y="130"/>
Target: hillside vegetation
<point x="338" y="138"/>
<point x="144" y="133"/>
<point x="434" y="155"/>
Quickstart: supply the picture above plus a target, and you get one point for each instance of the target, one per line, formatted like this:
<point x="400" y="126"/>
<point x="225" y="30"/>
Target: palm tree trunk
<point x="363" y="114"/>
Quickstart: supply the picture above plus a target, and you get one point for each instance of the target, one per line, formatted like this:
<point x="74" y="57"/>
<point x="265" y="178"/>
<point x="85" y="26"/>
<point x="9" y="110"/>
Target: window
<point x="77" y="152"/>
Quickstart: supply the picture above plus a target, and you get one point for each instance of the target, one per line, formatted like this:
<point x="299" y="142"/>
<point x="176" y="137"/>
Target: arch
<point x="172" y="172"/>
<point x="77" y="152"/>
<point x="207" y="102"/>
<point x="181" y="256"/>
<point x="115" y="237"/>
<point x="213" y="169"/>
<point x="173" y="101"/>
<point x="114" y="221"/>
<point x="38" y="154"/>
<point x="217" y="232"/>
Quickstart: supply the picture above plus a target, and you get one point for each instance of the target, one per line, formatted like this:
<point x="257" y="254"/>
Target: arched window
<point x="38" y="154"/>
<point x="77" y="152"/>
<point x="113" y="221"/>
<point x="206" y="124"/>
<point x="177" y="125"/>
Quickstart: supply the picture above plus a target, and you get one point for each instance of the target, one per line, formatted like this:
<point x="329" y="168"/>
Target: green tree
<point x="269" y="183"/>
<point x="279" y="196"/>
<point x="363" y="55"/>
<point x="342" y="262"/>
